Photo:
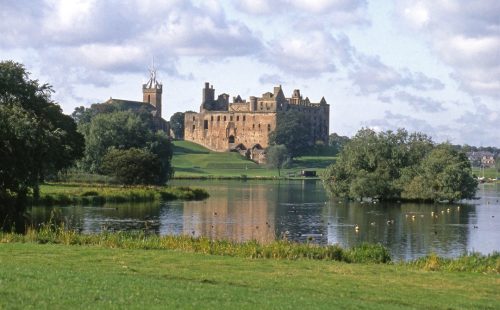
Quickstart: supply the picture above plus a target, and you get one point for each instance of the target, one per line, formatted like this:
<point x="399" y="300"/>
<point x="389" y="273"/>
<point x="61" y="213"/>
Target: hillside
<point x="193" y="160"/>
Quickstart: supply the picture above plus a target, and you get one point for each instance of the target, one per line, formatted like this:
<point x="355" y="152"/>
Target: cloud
<point x="466" y="36"/>
<point x="272" y="79"/>
<point x="394" y="121"/>
<point x="335" y="12"/>
<point x="370" y="75"/>
<point x="108" y="35"/>
<point x="419" y="103"/>
<point x="308" y="54"/>
<point x="480" y="126"/>
<point x="88" y="42"/>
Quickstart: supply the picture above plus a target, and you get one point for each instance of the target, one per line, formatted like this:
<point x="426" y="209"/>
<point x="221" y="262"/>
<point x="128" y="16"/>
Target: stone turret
<point x="207" y="96"/>
<point x="152" y="91"/>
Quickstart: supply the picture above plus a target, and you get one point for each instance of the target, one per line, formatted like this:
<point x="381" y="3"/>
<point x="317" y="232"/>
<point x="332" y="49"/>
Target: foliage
<point x="177" y="125"/>
<point x="36" y="138"/>
<point x="293" y="131"/>
<point x="114" y="130"/>
<point x="277" y="156"/>
<point x="123" y="130"/>
<point x="398" y="165"/>
<point x="82" y="194"/>
<point x="443" y="175"/>
<point x="337" y="142"/>
<point x="132" y="166"/>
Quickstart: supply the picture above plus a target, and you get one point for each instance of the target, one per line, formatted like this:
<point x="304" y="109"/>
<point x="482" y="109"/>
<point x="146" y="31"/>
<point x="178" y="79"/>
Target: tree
<point x="177" y="125"/>
<point x="114" y="128"/>
<point x="277" y="156"/>
<point x="444" y="175"/>
<point x="132" y="166"/>
<point x="293" y="131"/>
<point x="337" y="142"/>
<point x="122" y="130"/>
<point x="36" y="138"/>
<point x="398" y="165"/>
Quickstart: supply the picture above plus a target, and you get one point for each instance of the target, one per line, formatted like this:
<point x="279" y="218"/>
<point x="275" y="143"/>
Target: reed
<point x="280" y="250"/>
<point x="473" y="262"/>
<point x="83" y="194"/>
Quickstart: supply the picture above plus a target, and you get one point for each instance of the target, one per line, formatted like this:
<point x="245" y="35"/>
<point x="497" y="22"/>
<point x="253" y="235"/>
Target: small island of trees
<point x="400" y="166"/>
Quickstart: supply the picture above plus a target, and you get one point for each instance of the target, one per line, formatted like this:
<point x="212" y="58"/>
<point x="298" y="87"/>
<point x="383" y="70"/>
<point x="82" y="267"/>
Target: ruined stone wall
<point x="220" y="130"/>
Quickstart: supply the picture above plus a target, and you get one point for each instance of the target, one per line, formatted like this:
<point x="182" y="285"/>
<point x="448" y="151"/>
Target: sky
<point x="431" y="66"/>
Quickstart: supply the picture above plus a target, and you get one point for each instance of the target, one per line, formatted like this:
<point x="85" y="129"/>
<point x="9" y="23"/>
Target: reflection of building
<point x="239" y="217"/>
<point x="222" y="125"/>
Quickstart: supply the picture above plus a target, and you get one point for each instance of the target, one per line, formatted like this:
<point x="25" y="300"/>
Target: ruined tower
<point x="152" y="91"/>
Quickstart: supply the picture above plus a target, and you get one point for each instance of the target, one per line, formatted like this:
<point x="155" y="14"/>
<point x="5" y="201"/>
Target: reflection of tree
<point x="417" y="228"/>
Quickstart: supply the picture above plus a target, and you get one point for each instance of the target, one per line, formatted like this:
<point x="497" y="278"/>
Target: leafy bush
<point x="133" y="166"/>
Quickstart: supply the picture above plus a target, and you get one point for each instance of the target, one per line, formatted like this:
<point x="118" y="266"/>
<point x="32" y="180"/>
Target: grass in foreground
<point x="84" y="194"/>
<point x="191" y="160"/>
<point x="281" y="249"/>
<point x="58" y="276"/>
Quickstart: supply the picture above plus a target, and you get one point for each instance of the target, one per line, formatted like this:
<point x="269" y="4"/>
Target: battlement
<point x="221" y="125"/>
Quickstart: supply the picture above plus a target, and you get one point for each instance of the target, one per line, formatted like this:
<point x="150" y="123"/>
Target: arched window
<point x="231" y="139"/>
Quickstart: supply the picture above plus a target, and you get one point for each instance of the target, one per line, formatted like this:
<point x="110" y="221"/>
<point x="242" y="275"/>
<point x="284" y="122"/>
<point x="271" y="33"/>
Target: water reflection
<point x="301" y="211"/>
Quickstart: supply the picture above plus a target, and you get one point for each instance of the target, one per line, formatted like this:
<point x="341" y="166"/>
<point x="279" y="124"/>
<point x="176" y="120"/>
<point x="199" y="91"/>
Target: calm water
<point x="301" y="211"/>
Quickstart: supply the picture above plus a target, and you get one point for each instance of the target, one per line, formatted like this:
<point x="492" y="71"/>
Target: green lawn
<point x="193" y="160"/>
<point x="76" y="193"/>
<point x="488" y="172"/>
<point x="60" y="276"/>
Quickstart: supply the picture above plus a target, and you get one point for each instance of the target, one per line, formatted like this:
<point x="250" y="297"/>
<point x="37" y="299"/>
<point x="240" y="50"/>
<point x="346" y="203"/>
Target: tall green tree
<point x="122" y="130"/>
<point x="177" y="125"/>
<point x="337" y="142"/>
<point x="115" y="130"/>
<point x="36" y="138"/>
<point x="277" y="156"/>
<point x="444" y="174"/>
<point x="293" y="131"/>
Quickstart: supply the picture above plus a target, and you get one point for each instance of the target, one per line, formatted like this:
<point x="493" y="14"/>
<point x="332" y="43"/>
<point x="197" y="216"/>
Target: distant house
<point x="481" y="158"/>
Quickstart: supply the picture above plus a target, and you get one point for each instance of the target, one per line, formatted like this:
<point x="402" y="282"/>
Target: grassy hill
<point x="196" y="161"/>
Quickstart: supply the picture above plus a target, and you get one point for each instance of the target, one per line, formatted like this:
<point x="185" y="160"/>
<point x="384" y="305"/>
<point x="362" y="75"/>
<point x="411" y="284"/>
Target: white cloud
<point x="334" y="12"/>
<point x="479" y="127"/>
<point x="419" y="103"/>
<point x="394" y="121"/>
<point x="371" y="75"/>
<point x="309" y="54"/>
<point x="465" y="34"/>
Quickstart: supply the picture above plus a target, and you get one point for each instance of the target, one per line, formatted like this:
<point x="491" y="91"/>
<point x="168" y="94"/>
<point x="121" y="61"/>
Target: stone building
<point x="151" y="102"/>
<point x="244" y="126"/>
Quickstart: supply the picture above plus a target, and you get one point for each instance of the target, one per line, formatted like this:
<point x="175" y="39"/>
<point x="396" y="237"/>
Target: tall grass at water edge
<point x="65" y="194"/>
<point x="283" y="249"/>
<point x="280" y="249"/>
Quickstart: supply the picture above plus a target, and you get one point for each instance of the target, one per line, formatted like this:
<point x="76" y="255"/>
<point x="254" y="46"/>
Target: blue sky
<point x="429" y="66"/>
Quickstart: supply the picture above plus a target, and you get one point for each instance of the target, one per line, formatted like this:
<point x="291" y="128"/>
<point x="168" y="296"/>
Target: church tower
<point x="152" y="91"/>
